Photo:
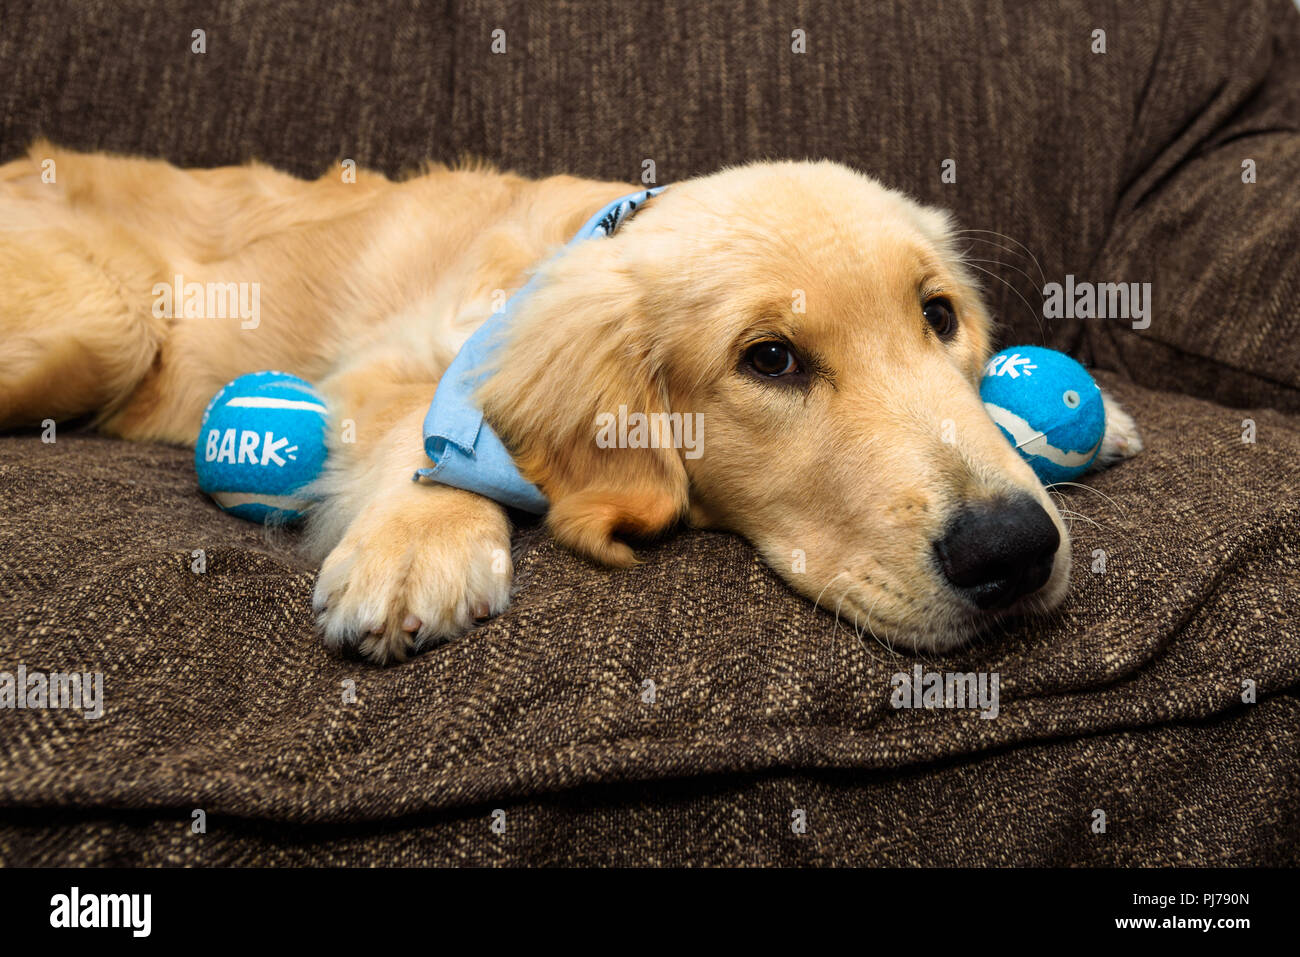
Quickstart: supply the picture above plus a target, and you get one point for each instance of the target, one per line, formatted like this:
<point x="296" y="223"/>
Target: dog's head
<point x="792" y="352"/>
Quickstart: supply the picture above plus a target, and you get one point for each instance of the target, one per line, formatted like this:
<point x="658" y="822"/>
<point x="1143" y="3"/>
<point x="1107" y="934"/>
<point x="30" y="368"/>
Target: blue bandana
<point x="466" y="453"/>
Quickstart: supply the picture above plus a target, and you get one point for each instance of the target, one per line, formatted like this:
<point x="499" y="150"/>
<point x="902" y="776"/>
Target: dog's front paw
<point x="1121" y="440"/>
<point x="415" y="569"/>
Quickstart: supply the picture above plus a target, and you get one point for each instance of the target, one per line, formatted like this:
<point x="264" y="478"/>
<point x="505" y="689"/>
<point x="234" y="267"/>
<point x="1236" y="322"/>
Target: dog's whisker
<point x="1095" y="491"/>
<point x="1027" y="251"/>
<point x="1038" y="608"/>
<point x="818" y="600"/>
<point x="1083" y="518"/>
<point x="998" y="262"/>
<point x="1042" y="332"/>
<point x="1059" y="501"/>
<point x="888" y="647"/>
<point x="836" y="627"/>
<point x="862" y="644"/>
<point x="979" y="239"/>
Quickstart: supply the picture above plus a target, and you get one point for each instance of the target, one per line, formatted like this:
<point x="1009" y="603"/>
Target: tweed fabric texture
<point x="1123" y="166"/>
<point x="219" y="696"/>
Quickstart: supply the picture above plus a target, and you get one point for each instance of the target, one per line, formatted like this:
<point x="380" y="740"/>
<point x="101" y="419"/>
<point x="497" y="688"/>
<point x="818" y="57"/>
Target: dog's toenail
<point x="410" y="623"/>
<point x="482" y="611"/>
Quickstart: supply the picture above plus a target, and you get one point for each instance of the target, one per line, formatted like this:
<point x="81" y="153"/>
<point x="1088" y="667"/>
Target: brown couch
<point x="1118" y="166"/>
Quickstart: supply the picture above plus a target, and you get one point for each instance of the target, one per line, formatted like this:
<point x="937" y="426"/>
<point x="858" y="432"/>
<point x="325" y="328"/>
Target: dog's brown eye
<point x="942" y="318"/>
<point x="772" y="359"/>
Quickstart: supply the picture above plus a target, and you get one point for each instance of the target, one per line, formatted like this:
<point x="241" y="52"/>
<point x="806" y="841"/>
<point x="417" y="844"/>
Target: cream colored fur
<point x="369" y="288"/>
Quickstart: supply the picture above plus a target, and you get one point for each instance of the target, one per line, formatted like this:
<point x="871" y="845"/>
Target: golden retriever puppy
<point x="821" y="328"/>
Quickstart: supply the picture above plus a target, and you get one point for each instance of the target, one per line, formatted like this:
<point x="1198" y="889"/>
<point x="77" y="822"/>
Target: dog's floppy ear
<point x="580" y="349"/>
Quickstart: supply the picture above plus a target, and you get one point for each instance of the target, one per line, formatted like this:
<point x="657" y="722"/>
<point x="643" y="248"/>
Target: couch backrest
<point x="1115" y="166"/>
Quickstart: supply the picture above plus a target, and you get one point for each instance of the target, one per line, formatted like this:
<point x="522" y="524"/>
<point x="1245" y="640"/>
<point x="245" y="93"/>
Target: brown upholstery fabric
<point x="218" y="695"/>
<point x="1123" y="166"/>
<point x="1116" y="167"/>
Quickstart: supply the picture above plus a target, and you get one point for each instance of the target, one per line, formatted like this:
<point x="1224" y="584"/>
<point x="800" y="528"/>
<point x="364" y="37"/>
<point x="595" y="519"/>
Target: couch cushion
<point x="219" y="696"/>
<point x="1219" y="791"/>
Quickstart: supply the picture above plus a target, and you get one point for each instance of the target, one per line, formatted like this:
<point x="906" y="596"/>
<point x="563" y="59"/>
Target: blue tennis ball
<point x="1048" y="407"/>
<point x="262" y="440"/>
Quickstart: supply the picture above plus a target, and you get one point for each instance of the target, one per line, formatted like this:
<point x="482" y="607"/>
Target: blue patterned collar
<point x="465" y="451"/>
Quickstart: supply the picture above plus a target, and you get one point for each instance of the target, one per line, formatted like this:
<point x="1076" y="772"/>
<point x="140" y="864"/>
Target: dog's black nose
<point x="995" y="551"/>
